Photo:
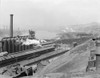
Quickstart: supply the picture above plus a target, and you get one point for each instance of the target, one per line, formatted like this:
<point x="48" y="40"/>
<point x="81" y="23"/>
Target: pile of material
<point x="72" y="64"/>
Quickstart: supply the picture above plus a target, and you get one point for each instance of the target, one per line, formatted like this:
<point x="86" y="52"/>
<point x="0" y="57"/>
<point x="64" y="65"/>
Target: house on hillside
<point x="94" y="60"/>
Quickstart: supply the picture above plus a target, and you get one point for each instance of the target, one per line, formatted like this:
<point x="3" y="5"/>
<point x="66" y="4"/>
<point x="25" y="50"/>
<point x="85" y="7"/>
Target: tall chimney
<point x="11" y="25"/>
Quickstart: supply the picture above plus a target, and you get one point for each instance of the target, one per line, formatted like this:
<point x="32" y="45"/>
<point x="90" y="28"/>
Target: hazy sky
<point x="49" y="14"/>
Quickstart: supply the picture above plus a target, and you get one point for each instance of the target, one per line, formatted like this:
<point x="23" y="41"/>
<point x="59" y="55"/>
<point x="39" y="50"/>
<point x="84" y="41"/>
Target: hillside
<point x="82" y="30"/>
<point x="88" y="28"/>
<point x="72" y="62"/>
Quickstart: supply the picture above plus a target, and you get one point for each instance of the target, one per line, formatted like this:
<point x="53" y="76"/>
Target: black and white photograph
<point x="49" y="38"/>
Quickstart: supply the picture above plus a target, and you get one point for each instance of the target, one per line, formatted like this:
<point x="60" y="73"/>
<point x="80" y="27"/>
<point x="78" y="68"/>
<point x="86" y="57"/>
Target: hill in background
<point x="82" y="30"/>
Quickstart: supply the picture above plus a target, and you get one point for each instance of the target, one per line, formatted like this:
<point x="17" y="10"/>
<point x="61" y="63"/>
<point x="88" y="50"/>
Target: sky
<point x="50" y="15"/>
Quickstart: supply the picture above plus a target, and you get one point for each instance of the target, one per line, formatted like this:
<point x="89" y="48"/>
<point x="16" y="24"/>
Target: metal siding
<point x="97" y="61"/>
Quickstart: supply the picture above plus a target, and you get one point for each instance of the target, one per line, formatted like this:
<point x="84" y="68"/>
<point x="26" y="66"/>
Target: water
<point x="45" y="34"/>
<point x="39" y="35"/>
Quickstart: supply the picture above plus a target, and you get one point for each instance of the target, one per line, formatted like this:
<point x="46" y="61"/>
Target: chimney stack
<point x="11" y="25"/>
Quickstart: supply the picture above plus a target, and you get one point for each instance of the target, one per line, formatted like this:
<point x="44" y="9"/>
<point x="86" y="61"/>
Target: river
<point x="39" y="35"/>
<point x="45" y="34"/>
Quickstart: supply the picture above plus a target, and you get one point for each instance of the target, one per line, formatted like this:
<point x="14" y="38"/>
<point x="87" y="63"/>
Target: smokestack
<point x="11" y="25"/>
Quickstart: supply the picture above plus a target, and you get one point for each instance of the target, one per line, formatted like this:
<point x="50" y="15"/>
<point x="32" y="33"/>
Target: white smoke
<point x="68" y="29"/>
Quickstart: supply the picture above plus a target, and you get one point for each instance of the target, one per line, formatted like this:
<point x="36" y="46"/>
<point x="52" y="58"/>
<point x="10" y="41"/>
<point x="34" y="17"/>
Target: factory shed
<point x="97" y="64"/>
